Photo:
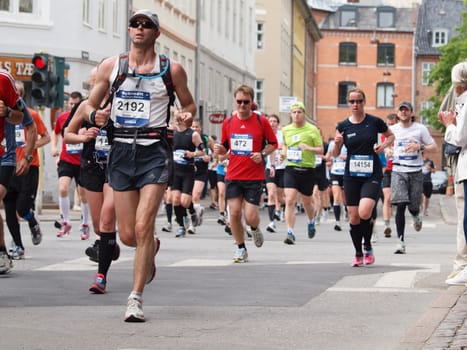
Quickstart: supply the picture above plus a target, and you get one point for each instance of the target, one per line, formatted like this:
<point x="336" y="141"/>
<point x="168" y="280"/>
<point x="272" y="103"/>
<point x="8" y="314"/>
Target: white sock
<point x="84" y="213"/>
<point x="64" y="203"/>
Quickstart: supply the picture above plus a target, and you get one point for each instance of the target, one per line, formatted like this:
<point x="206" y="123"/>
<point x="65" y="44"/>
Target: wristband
<point x="92" y="117"/>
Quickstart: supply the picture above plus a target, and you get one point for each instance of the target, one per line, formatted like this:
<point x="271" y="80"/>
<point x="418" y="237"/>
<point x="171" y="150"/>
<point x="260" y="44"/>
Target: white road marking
<point x="81" y="264"/>
<point x="376" y="290"/>
<point x="201" y="262"/>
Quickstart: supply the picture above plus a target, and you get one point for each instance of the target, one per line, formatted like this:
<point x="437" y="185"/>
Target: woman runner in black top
<point x="363" y="172"/>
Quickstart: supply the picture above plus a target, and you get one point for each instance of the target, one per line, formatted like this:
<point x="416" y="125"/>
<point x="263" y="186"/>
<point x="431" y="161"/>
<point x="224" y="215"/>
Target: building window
<point x="344" y="87"/>
<point x="385" y="95"/>
<point x="25" y="6"/>
<point x="348" y="53"/>
<point x="440" y="37"/>
<point x="348" y="16"/>
<point x="101" y="15"/>
<point x="115" y="23"/>
<point x="259" y="94"/>
<point x="18" y="6"/>
<point x="227" y="19"/>
<point x="426" y="68"/>
<point x="4" y="5"/>
<point x="386" y="17"/>
<point x="386" y="54"/>
<point x="259" y="35"/>
<point x="86" y="12"/>
<point x="241" y="24"/>
<point x="219" y="16"/>
<point x="425" y="105"/>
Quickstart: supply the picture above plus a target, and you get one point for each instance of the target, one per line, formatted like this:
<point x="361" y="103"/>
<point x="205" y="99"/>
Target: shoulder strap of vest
<point x="123" y="72"/>
<point x="120" y="78"/>
<point x="164" y="63"/>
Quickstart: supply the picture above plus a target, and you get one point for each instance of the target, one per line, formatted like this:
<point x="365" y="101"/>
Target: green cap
<point x="297" y="104"/>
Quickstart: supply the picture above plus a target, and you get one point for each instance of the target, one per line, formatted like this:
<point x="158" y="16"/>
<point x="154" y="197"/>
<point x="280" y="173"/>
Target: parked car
<point x="440" y="181"/>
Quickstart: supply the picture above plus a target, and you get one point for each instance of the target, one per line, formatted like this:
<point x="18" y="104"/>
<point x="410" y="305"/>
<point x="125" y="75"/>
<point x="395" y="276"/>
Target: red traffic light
<point x="39" y="61"/>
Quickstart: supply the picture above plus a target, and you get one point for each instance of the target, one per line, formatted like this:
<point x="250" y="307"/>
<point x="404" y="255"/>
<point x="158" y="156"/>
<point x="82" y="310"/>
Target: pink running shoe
<point x="64" y="230"/>
<point x="358" y="261"/>
<point x="152" y="274"/>
<point x="84" y="232"/>
<point x="368" y="257"/>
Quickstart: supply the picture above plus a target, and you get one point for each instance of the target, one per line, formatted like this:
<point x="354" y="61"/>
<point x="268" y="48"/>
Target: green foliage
<point x="440" y="75"/>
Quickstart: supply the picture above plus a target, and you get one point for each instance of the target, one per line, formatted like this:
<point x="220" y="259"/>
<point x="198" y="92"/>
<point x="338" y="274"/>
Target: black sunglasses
<point x="355" y="101"/>
<point x="245" y="102"/>
<point x="144" y="24"/>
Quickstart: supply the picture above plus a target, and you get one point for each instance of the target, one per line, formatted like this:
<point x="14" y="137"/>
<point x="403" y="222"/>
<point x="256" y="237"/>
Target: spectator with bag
<point x="456" y="134"/>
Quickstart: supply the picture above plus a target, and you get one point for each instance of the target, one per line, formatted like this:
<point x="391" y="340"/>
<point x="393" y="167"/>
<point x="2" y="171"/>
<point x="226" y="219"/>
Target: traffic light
<point x="53" y="85"/>
<point x="59" y="72"/>
<point x="40" y="79"/>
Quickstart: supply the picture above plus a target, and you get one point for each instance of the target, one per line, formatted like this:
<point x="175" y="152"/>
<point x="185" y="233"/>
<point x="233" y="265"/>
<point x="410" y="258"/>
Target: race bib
<point x="241" y="144"/>
<point x="338" y="166"/>
<point x="361" y="165"/>
<point x="74" y="149"/>
<point x="102" y="144"/>
<point x="131" y="108"/>
<point x="401" y="153"/>
<point x="19" y="135"/>
<point x="179" y="157"/>
<point x="294" y="154"/>
<point x="318" y="161"/>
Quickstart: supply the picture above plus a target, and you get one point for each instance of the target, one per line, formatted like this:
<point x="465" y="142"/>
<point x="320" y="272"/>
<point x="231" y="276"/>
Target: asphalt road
<point x="304" y="296"/>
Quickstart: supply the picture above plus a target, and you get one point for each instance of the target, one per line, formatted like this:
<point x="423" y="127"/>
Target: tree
<point x="440" y="76"/>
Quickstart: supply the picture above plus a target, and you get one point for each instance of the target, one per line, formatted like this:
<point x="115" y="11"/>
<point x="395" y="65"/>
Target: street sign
<point x="216" y="118"/>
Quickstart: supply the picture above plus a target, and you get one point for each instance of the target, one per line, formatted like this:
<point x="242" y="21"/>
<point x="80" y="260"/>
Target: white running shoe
<point x="257" y="237"/>
<point x="191" y="230"/>
<point x="134" y="311"/>
<point x="5" y="263"/>
<point x="17" y="253"/>
<point x="241" y="255"/>
<point x="167" y="228"/>
<point x="271" y="227"/>
<point x="458" y="280"/>
<point x="400" y="248"/>
<point x="199" y="213"/>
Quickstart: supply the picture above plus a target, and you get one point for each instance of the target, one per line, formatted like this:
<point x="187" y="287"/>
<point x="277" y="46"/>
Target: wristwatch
<point x="263" y="155"/>
<point x="29" y="158"/>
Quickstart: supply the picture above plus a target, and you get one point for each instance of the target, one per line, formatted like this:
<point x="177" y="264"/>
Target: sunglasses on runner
<point x="245" y="102"/>
<point x="144" y="24"/>
<point x="355" y="101"/>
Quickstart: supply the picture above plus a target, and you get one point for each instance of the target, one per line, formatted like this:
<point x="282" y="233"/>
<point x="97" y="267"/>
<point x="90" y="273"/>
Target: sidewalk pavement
<point x="444" y="326"/>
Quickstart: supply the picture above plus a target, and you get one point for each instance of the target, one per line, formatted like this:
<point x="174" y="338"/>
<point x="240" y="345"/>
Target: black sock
<point x="168" y="212"/>
<point x="242" y="245"/>
<point x="365" y="227"/>
<point x="400" y="221"/>
<point x="180" y="212"/>
<point x="337" y="212"/>
<point x="107" y="246"/>
<point x="191" y="208"/>
<point x="271" y="209"/>
<point x="356" y="235"/>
